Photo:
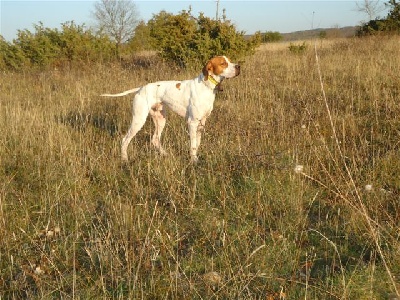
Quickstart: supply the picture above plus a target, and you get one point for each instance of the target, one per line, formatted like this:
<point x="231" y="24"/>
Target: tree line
<point x="182" y="38"/>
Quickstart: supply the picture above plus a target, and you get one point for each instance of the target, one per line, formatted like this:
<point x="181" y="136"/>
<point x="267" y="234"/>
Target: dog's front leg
<point x="200" y="129"/>
<point x="193" y="131"/>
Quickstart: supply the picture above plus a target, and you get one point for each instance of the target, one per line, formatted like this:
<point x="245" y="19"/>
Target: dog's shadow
<point x="111" y="119"/>
<point x="104" y="120"/>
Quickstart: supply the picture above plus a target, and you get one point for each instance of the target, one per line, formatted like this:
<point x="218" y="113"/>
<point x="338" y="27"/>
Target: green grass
<point x="76" y="223"/>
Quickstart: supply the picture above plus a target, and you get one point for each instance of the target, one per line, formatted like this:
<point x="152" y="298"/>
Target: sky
<point x="249" y="16"/>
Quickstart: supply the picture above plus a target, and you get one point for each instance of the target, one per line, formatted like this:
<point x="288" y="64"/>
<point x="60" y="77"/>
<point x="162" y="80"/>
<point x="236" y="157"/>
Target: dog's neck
<point x="213" y="82"/>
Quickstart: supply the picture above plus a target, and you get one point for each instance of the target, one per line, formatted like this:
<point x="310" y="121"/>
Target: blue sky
<point x="249" y="16"/>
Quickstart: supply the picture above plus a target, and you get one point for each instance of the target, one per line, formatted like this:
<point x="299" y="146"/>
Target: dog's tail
<point x="122" y="94"/>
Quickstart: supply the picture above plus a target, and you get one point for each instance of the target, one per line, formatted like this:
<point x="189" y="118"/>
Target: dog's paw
<point x="124" y="158"/>
<point x="162" y="152"/>
<point x="125" y="168"/>
<point x="194" y="160"/>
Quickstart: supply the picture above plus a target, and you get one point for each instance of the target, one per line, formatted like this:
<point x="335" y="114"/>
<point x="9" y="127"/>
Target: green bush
<point x="80" y="44"/>
<point x="11" y="56"/>
<point x="47" y="47"/>
<point x="142" y="40"/>
<point x="39" y="47"/>
<point x="188" y="41"/>
<point x="271" y="37"/>
<point x="372" y="27"/>
<point x="298" y="49"/>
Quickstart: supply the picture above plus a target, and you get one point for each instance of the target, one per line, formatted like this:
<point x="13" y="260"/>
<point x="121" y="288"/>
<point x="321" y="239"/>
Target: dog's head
<point x="221" y="67"/>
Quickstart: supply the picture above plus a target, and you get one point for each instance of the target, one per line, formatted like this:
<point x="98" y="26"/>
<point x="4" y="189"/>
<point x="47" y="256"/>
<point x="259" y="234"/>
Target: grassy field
<point x="296" y="195"/>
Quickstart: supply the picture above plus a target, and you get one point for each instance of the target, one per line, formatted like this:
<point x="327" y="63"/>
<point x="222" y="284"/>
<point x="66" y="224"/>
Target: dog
<point x="192" y="99"/>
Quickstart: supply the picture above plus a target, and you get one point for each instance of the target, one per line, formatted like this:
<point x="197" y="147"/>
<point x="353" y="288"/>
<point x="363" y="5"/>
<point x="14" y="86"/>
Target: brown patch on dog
<point x="207" y="67"/>
<point x="178" y="85"/>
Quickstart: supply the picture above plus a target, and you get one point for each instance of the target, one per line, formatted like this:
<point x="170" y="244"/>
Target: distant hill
<point x="348" y="31"/>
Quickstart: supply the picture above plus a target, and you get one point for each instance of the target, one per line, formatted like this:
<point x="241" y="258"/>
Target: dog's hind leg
<point x="139" y="115"/>
<point x="158" y="115"/>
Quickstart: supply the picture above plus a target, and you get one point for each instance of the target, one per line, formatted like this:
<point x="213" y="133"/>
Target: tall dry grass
<point x="296" y="195"/>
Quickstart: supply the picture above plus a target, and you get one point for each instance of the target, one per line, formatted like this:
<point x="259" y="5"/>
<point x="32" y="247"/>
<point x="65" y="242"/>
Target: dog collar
<point x="212" y="80"/>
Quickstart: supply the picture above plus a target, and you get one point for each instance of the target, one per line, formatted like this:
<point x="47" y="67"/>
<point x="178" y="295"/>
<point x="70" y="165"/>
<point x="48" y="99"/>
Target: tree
<point x="393" y="18"/>
<point x="389" y="24"/>
<point x="371" y="7"/>
<point x="116" y="18"/>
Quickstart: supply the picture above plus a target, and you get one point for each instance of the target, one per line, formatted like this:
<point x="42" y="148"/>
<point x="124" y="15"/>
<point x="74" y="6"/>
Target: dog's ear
<point x="207" y="67"/>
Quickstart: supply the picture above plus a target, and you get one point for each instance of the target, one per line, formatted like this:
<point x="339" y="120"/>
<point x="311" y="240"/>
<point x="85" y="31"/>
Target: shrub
<point x="142" y="40"/>
<point x="187" y="41"/>
<point x="11" y="57"/>
<point x="79" y="44"/>
<point x="323" y="34"/>
<point x="39" y="47"/>
<point x="372" y="27"/>
<point x="298" y="49"/>
<point x="271" y="36"/>
<point x="46" y="47"/>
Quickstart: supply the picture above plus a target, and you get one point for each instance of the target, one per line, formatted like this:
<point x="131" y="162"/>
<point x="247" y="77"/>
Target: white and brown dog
<point x="192" y="99"/>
